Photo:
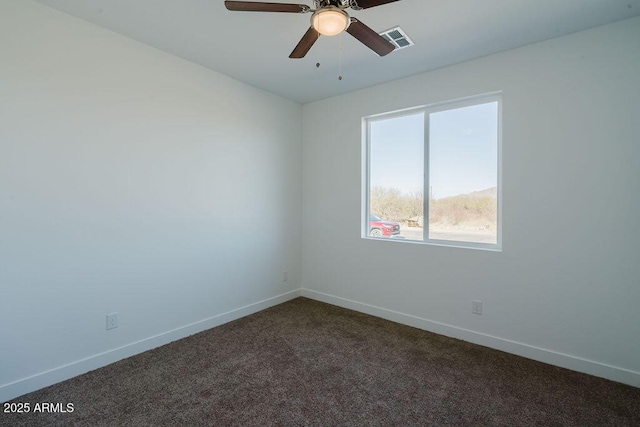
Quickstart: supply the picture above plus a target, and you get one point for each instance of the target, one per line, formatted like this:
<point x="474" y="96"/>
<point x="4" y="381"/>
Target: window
<point x="432" y="174"/>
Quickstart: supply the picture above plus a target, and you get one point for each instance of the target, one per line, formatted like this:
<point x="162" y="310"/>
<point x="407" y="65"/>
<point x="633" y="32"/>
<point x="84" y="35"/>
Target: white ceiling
<point x="254" y="47"/>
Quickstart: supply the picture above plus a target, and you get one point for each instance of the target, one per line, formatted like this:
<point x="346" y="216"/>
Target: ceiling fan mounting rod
<point x="321" y="4"/>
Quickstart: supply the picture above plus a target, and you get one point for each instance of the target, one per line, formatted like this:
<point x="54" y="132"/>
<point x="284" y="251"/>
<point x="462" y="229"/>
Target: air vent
<point x="397" y="37"/>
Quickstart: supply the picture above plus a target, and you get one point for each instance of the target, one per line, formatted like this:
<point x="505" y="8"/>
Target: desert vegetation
<point x="476" y="210"/>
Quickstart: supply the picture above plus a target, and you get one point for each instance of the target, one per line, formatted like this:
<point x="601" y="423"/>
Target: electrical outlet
<point x="285" y="276"/>
<point x="112" y="321"/>
<point x="476" y="307"/>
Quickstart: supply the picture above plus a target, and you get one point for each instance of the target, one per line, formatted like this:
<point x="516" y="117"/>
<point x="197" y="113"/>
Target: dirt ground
<point x="474" y="236"/>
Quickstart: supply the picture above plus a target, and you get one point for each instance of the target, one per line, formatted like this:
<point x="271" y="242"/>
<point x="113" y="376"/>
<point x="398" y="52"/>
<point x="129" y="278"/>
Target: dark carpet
<point x="305" y="363"/>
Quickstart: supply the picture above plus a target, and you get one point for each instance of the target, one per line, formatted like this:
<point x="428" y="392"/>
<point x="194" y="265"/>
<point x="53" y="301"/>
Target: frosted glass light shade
<point x="330" y="21"/>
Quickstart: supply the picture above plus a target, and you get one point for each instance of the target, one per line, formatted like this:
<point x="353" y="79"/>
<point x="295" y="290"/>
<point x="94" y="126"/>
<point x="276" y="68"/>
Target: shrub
<point x="394" y="205"/>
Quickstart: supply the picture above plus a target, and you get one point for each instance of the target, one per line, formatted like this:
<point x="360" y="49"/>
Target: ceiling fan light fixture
<point x="330" y="21"/>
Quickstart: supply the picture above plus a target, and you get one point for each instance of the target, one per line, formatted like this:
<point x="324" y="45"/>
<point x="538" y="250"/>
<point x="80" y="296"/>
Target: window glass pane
<point x="463" y="177"/>
<point x="396" y="177"/>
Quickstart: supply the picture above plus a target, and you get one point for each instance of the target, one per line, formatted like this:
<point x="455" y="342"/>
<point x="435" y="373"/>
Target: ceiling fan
<point x="328" y="18"/>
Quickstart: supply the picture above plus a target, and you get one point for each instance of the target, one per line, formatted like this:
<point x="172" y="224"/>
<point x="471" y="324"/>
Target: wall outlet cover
<point x="112" y="321"/>
<point x="476" y="307"/>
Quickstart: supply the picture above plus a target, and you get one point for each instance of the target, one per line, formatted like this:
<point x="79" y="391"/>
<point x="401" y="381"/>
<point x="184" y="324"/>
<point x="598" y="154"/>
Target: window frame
<point x="426" y="110"/>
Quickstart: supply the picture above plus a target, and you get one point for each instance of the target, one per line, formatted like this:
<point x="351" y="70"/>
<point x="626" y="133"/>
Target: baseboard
<point x="44" y="379"/>
<point x="551" y="357"/>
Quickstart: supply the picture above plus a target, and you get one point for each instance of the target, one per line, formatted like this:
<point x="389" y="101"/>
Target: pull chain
<point x="317" y="52"/>
<point x="340" y="75"/>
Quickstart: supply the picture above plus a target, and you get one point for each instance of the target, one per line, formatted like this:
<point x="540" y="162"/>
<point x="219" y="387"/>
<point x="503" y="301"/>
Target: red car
<point x="381" y="228"/>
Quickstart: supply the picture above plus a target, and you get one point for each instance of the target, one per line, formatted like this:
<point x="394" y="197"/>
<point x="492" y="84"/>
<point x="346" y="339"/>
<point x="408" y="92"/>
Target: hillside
<point x="489" y="192"/>
<point x="472" y="211"/>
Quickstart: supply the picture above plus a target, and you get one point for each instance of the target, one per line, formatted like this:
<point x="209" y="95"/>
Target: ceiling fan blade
<point x="304" y="45"/>
<point x="369" y="38"/>
<point x="254" y="6"/>
<point x="366" y="4"/>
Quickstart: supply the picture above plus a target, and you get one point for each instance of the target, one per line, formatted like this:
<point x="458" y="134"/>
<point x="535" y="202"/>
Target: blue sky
<point x="462" y="156"/>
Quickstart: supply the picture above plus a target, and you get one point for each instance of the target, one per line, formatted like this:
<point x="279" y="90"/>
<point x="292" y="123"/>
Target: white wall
<point x="133" y="182"/>
<point x="566" y="287"/>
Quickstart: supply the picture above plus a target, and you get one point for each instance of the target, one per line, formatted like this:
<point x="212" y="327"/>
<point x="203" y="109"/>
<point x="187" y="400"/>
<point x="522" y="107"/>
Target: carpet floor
<point x="305" y="363"/>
